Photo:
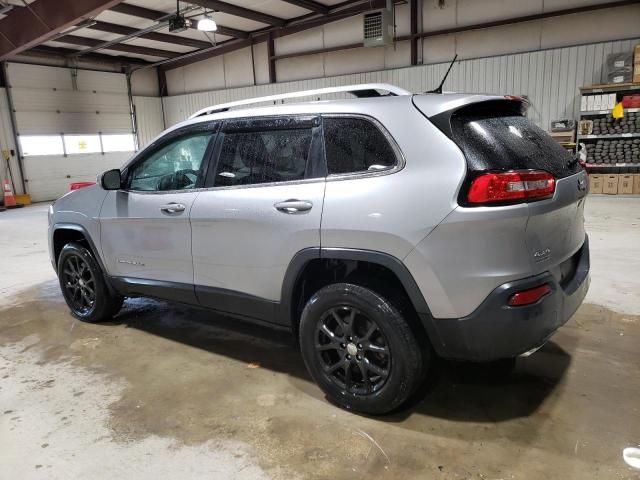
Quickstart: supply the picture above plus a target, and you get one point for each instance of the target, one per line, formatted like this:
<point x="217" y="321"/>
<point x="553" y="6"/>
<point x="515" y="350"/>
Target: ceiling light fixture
<point x="207" y="24"/>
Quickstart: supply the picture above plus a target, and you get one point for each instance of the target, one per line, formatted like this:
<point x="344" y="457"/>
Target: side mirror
<point x="111" y="180"/>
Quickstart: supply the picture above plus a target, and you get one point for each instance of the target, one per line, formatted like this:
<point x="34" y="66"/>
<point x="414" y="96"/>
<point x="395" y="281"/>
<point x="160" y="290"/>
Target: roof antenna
<point x="439" y="88"/>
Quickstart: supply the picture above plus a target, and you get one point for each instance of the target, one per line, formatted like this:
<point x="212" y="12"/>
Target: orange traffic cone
<point x="9" y="199"/>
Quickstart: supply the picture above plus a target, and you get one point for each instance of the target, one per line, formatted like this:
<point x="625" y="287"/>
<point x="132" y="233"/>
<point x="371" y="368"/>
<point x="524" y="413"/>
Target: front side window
<point x="176" y="166"/>
<point x="264" y="156"/>
<point x="356" y="145"/>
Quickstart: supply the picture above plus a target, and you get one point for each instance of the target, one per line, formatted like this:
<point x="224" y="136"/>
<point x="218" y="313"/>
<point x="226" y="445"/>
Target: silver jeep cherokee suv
<point x="382" y="230"/>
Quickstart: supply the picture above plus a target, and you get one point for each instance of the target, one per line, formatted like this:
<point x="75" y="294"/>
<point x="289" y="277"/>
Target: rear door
<point x="263" y="206"/>
<point x="145" y="231"/>
<point x="495" y="136"/>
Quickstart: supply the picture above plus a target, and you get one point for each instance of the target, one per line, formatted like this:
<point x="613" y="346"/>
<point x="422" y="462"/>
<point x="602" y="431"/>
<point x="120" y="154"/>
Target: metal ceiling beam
<point x="220" y="6"/>
<point x="120" y="47"/>
<point x="158" y="37"/>
<point x="27" y="27"/>
<point x="310" y="5"/>
<point x="95" y="57"/>
<point x="147" y="13"/>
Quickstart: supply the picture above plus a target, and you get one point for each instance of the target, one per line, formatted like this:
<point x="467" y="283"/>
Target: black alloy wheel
<point x="360" y="348"/>
<point x="352" y="350"/>
<point x="84" y="285"/>
<point x="79" y="284"/>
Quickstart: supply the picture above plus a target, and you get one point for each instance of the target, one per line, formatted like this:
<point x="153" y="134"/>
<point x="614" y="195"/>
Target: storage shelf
<point x="617" y="135"/>
<point x="611" y="87"/>
<point x="612" y="165"/>
<point x="605" y="112"/>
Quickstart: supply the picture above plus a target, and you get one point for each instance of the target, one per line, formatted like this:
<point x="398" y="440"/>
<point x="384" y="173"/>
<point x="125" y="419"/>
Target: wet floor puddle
<point x="195" y="377"/>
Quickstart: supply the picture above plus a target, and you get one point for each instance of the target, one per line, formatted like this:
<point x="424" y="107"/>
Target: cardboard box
<point x="636" y="183"/>
<point x="590" y="100"/>
<point x="612" y="100"/>
<point x="595" y="183"/>
<point x="597" y="102"/>
<point x="625" y="184"/>
<point x="610" y="184"/>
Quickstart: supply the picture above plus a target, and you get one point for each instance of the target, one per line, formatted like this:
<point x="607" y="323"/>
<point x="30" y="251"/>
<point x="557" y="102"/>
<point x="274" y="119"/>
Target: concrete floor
<point x="176" y="392"/>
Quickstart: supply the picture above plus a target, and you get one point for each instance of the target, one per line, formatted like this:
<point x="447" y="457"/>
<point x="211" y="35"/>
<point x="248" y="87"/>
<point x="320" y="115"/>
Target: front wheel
<point x="84" y="287"/>
<point x="359" y="349"/>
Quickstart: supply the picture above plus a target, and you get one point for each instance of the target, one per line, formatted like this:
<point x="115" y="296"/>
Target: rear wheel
<point x="84" y="287"/>
<point x="359" y="349"/>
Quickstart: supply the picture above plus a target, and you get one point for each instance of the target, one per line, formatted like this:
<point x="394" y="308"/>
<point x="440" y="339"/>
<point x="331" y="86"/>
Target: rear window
<point x="495" y="136"/>
<point x="356" y="145"/>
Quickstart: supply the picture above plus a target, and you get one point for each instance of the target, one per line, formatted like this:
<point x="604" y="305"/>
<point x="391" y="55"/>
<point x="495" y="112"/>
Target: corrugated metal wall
<point x="149" y="119"/>
<point x="550" y="78"/>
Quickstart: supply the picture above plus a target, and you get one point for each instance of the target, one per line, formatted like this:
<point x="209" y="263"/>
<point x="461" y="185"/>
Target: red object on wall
<point x="78" y="185"/>
<point x="631" y="101"/>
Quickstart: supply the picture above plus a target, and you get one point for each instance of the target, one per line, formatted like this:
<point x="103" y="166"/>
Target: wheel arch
<point x="299" y="267"/>
<point x="63" y="233"/>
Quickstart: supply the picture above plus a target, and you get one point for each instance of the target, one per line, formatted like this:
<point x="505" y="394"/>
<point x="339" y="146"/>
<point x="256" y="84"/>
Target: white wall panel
<point x="260" y="62"/>
<point x="48" y="177"/>
<point x="149" y="119"/>
<point x="550" y="79"/>
<point x="297" y="68"/>
<point x="145" y="82"/>
<point x="311" y="39"/>
<point x="237" y="68"/>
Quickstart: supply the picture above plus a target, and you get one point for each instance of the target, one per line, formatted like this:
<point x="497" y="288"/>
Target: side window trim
<point x="316" y="169"/>
<point x="213" y="127"/>
<point x="400" y="160"/>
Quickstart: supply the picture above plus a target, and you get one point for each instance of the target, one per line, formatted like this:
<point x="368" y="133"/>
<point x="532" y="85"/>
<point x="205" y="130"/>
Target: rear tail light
<point x="527" y="297"/>
<point x="512" y="187"/>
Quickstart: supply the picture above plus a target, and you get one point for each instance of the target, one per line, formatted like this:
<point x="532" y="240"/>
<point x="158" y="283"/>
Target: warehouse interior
<point x="166" y="390"/>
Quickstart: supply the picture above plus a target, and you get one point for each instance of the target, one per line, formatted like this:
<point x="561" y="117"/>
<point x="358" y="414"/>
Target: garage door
<point x="72" y="125"/>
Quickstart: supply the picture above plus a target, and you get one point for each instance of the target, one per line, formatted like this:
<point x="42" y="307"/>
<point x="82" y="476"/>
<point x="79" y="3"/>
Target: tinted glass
<point x="265" y="156"/>
<point x="494" y="137"/>
<point x="356" y="145"/>
<point x="176" y="166"/>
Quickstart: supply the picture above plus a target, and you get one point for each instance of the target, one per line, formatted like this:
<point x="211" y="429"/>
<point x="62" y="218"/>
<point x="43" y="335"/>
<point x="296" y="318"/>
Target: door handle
<point x="173" y="208"/>
<point x="293" y="206"/>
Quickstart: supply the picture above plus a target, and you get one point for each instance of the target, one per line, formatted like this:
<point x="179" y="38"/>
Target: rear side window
<point x="495" y="136"/>
<point x="254" y="157"/>
<point x="356" y="145"/>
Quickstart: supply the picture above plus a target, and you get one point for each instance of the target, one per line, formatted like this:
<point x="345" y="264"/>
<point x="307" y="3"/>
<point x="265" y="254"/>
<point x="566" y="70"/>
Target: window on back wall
<point x="118" y="143"/>
<point x="82" y="144"/>
<point x="41" y="145"/>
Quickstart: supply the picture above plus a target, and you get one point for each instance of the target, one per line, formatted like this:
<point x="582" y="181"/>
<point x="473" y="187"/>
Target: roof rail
<point x="363" y="90"/>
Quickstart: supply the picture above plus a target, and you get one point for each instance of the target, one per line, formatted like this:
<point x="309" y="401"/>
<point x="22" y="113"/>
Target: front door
<point x="145" y="231"/>
<point x="264" y="205"/>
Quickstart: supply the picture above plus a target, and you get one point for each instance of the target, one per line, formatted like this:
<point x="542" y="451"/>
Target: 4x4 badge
<point x="582" y="184"/>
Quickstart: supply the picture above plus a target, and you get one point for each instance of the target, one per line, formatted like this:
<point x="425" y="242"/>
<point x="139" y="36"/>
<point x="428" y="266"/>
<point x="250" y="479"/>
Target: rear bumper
<point x="495" y="330"/>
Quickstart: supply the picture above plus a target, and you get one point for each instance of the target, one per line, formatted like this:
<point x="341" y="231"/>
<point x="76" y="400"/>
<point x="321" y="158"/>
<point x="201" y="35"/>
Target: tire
<point x="84" y="287"/>
<point x="372" y="362"/>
